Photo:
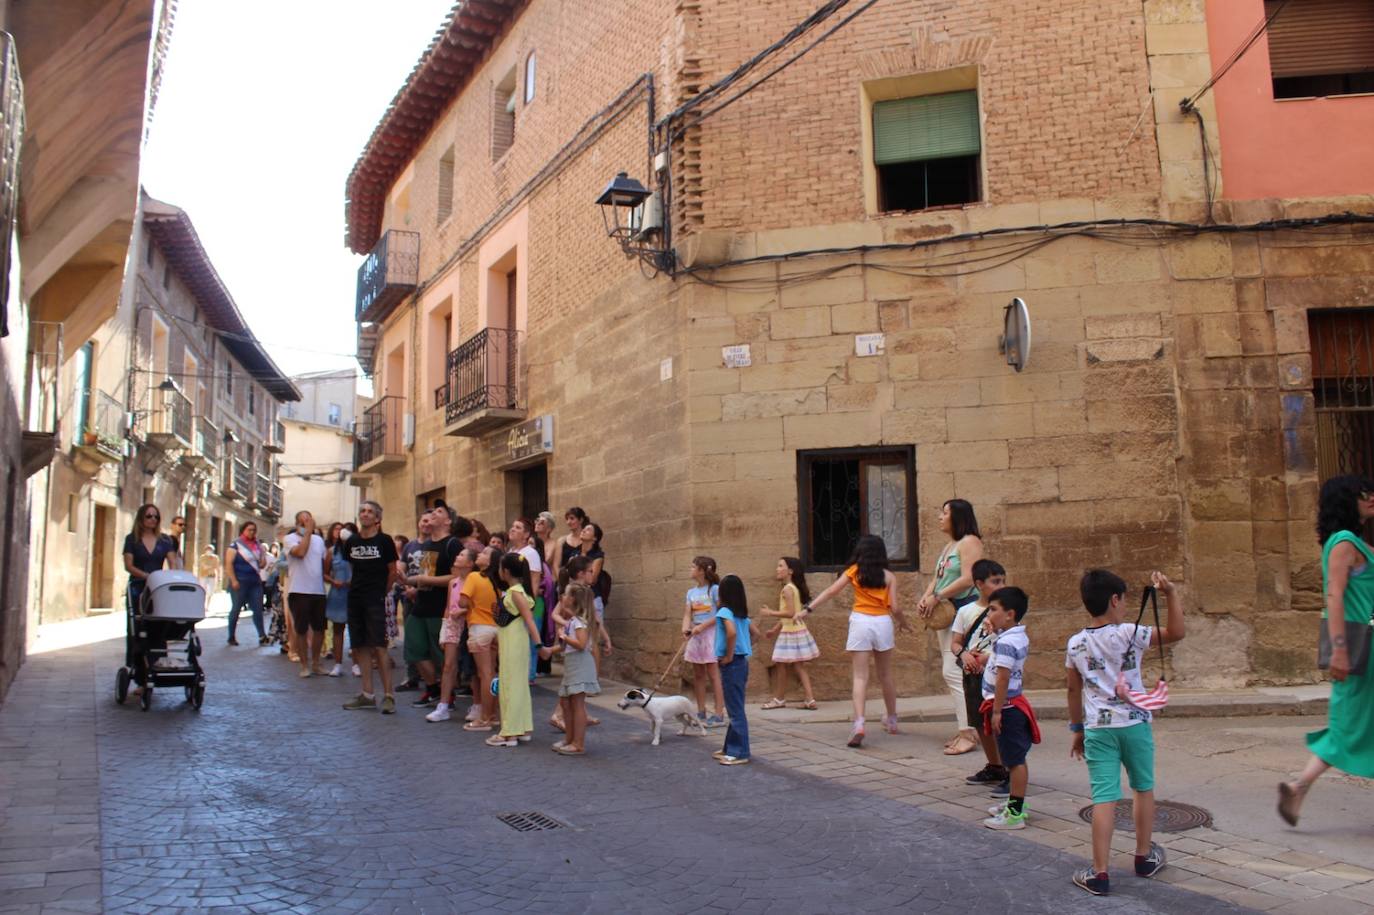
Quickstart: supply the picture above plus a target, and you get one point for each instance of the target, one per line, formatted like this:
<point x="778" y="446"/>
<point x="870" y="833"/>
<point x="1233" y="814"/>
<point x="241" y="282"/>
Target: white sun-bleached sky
<point x="264" y="107"/>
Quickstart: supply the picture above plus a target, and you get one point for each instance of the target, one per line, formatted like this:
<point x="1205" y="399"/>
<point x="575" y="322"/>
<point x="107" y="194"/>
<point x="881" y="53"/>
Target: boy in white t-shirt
<point x="1108" y="731"/>
<point x="972" y="646"/>
<point x="1006" y="711"/>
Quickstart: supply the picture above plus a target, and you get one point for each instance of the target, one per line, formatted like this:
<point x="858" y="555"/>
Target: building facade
<point x="79" y="80"/>
<point x="319" y="447"/>
<point x="807" y="341"/>
<point x="172" y="402"/>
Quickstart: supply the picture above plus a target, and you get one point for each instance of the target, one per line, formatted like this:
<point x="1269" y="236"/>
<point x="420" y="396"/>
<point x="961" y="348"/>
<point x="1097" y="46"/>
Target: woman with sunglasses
<point x="147" y="549"/>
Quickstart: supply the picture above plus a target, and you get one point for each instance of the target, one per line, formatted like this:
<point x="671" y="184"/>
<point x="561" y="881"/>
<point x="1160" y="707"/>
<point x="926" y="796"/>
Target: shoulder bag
<point x="1154" y="699"/>
<point x="1356" y="645"/>
<point x="942" y="617"/>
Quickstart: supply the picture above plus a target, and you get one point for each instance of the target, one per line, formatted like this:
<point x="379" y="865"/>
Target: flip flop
<point x="567" y="751"/>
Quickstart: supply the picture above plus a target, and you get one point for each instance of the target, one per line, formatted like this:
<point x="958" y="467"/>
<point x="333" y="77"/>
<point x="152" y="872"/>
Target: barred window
<point x="844" y="493"/>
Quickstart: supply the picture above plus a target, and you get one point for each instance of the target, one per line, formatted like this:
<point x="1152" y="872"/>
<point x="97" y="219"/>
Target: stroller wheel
<point x="121" y="685"/>
<point x="198" y="696"/>
<point x="145" y="699"/>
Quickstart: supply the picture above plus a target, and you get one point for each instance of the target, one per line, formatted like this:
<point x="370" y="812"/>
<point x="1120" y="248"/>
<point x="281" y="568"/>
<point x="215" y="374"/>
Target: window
<point x="251" y="400"/>
<point x="228" y="377"/>
<point x="85" y="363"/>
<point x="335" y="414"/>
<point x="503" y="115"/>
<point x="844" y="493"/>
<point x="73" y="502"/>
<point x="529" y="78"/>
<point x="1321" y="47"/>
<point x="445" y="186"/>
<point x="149" y="255"/>
<point x="167" y="276"/>
<point x="926" y="150"/>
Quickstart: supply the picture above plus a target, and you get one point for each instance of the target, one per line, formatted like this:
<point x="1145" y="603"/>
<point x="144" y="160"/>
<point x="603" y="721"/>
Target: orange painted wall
<point x="1289" y="148"/>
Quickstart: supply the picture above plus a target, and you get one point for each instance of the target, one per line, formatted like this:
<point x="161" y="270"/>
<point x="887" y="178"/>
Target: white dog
<point x="663" y="708"/>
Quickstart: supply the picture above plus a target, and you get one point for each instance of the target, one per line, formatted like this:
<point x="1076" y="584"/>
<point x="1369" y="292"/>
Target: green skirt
<point x="1347" y="741"/>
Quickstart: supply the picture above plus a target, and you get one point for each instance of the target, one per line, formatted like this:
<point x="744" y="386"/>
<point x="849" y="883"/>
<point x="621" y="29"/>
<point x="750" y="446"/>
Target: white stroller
<point x="161" y="647"/>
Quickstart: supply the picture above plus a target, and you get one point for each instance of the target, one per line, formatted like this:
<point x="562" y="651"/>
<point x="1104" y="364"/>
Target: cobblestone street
<point x="274" y="799"/>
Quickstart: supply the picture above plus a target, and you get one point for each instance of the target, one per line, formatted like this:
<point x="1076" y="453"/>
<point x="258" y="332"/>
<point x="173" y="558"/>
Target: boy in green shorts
<point x="1109" y="731"/>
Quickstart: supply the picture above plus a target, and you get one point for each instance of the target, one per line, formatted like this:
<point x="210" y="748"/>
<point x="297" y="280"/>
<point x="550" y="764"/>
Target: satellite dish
<point x="1015" y="342"/>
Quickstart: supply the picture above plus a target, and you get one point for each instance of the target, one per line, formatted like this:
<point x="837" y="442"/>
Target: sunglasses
<point x="152" y="517"/>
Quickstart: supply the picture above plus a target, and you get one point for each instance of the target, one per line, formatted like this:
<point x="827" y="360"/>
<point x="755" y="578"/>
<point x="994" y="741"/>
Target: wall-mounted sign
<point x="869" y="344"/>
<point x="520" y="445"/>
<point x="736" y="356"/>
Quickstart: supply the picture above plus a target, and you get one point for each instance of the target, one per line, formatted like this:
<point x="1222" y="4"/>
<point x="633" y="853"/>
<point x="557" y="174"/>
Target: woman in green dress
<point x="513" y="644"/>
<point x="1347" y="742"/>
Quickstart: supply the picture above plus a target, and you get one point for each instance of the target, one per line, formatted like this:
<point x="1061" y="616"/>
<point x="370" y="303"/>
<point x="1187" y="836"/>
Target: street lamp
<point x="623" y="193"/>
<point x="630" y="211"/>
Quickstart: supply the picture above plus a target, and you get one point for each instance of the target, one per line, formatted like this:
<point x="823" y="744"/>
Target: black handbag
<point x="1356" y="646"/>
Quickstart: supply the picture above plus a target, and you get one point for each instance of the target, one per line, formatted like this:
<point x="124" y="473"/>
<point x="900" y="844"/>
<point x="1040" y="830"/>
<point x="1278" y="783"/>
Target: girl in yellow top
<point x="871" y="630"/>
<point x="794" y="645"/>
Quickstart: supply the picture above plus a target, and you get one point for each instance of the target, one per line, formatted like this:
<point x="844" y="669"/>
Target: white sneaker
<point x="335" y="670"/>
<point x="474" y="713"/>
<point x="357" y="671"/>
<point x="440" y="713"/>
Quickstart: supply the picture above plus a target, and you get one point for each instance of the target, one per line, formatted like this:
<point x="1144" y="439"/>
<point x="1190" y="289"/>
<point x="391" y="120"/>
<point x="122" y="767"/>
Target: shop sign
<point x="525" y="443"/>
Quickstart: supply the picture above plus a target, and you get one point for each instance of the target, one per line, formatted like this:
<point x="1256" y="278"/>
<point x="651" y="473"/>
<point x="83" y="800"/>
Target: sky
<point x="265" y="105"/>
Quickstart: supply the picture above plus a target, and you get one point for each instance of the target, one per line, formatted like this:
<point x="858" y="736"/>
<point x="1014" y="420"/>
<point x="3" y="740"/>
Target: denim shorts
<point x="1106" y="750"/>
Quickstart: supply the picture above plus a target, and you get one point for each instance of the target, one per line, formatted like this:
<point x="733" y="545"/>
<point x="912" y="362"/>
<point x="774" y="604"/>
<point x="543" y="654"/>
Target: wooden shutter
<point x="1320" y="37"/>
<point x="926" y="127"/>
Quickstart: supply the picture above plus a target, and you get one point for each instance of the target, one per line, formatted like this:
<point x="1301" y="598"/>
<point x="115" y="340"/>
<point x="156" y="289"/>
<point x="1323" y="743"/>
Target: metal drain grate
<point x="529" y="822"/>
<point x="1170" y="816"/>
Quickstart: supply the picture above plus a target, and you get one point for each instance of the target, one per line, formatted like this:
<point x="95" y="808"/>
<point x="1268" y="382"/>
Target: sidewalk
<point x="1221" y="750"/>
<point x="1052" y="705"/>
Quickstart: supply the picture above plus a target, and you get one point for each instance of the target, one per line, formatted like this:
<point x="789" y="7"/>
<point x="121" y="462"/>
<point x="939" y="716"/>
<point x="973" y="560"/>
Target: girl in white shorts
<point x="871" y="630"/>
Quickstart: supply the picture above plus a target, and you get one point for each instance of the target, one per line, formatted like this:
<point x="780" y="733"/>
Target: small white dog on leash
<point x="663" y="708"/>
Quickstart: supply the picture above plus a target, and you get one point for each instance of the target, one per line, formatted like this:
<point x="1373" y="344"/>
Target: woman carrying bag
<point x="950" y="588"/>
<point x="1347" y="741"/>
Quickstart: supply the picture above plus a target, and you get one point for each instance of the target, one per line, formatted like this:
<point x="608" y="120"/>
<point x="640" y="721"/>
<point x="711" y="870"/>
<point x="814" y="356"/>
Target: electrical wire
<point x="1191" y="101"/>
<point x="701" y="116"/>
<point x="1153" y="232"/>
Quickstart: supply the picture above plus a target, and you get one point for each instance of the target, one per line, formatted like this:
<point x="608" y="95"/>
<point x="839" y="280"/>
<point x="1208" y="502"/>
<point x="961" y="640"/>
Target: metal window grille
<point x="844" y="493"/>
<point x="1343" y="390"/>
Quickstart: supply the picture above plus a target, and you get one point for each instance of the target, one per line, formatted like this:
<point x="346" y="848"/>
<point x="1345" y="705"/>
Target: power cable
<point x="1191" y="101"/>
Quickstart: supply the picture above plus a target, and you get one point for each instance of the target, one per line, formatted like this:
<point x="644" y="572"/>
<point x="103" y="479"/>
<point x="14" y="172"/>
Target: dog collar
<point x="647" y="699"/>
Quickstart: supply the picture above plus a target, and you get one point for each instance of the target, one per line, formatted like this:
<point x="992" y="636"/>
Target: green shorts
<point x="1108" y="749"/>
<point x="422" y="639"/>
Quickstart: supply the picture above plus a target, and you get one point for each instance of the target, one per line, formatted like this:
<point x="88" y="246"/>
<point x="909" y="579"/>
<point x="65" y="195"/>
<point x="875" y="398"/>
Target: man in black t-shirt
<point x="373" y="556"/>
<point x="429" y="574"/>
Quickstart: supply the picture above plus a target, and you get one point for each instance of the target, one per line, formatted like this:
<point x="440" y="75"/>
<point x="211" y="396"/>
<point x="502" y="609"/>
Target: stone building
<point x="78" y="82"/>
<point x="172" y="401"/>
<point x="319" y="447"/>
<point x="804" y="343"/>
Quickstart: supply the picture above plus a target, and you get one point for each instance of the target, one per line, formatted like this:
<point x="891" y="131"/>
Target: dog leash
<point x="671" y="664"/>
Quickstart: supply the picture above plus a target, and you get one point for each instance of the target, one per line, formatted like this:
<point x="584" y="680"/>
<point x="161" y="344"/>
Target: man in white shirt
<point x="305" y="567"/>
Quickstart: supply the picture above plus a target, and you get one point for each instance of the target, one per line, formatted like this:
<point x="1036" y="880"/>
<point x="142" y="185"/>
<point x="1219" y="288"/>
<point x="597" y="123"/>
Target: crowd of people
<point x="482" y="613"/>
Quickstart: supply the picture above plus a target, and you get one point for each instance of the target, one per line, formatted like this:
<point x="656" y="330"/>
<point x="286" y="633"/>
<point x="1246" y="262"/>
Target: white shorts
<point x="480" y="637"/>
<point x="868" y="632"/>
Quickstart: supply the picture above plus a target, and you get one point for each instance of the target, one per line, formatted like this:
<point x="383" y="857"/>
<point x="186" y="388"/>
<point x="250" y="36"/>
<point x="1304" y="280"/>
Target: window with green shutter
<point x="926" y="150"/>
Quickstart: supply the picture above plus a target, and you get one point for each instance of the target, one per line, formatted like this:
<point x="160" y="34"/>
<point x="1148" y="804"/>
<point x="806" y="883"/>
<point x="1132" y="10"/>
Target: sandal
<point x="890" y="723"/>
<point x="566" y="750"/>
<point x="856" y="736"/>
<point x="496" y="740"/>
<point x="479" y="725"/>
<point x="810" y="705"/>
<point x="592" y="722"/>
<point x="964" y="744"/>
<point x="557" y="746"/>
<point x="775" y="703"/>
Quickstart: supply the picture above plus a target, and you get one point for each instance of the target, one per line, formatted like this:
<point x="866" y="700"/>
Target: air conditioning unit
<point x="408" y="431"/>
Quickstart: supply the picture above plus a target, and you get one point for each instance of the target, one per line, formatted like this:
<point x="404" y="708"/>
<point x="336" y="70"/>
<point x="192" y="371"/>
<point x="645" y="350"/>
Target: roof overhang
<point x="171" y="228"/>
<point x="472" y="29"/>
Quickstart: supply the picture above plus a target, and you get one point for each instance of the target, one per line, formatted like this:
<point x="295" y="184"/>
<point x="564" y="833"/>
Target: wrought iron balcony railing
<point x="485" y="373"/>
<point x="243" y="479"/>
<point x="205" y="449"/>
<point x="378" y="431"/>
<point x="276" y="503"/>
<point x="103" y="434"/>
<point x="276" y="438"/>
<point x="170" y="421"/>
<point x="390" y="273"/>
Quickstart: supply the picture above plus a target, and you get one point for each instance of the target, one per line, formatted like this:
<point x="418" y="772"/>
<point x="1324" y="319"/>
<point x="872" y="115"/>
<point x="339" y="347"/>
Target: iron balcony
<point x="390" y="273"/>
<point x="377" y="438"/>
<point x="485" y="386"/>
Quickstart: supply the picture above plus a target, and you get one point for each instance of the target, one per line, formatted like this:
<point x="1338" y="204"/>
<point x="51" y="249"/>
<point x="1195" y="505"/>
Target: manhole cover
<point x="529" y="822"/>
<point x="1170" y="816"/>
